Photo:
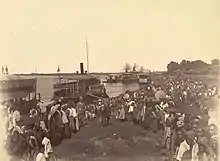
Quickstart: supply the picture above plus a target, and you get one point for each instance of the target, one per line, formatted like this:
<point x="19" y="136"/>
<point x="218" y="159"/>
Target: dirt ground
<point x="119" y="141"/>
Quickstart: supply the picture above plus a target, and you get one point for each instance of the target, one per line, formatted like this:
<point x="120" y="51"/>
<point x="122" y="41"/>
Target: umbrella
<point x="160" y="94"/>
<point x="171" y="109"/>
<point x="189" y="109"/>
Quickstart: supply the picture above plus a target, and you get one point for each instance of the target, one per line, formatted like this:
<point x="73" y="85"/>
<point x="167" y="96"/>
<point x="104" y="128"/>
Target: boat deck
<point x="15" y="77"/>
<point x="77" y="77"/>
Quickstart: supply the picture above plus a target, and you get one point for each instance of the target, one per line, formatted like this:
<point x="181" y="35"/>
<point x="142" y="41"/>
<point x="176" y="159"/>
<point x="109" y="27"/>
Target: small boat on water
<point x="130" y="75"/>
<point x="144" y="79"/>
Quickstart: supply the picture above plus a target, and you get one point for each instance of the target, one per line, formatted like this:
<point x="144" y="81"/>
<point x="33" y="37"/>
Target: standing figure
<point x="48" y="150"/>
<point x="66" y="127"/>
<point x="188" y="149"/>
<point x="55" y="128"/>
<point x="6" y="70"/>
<point x="105" y="115"/>
<point x="40" y="155"/>
<point x="131" y="111"/>
<point x="213" y="132"/>
<point x="153" y="120"/>
<point x="142" y="114"/>
<point x="80" y="109"/>
<point x="122" y="113"/>
<point x="3" y="70"/>
<point x="73" y="119"/>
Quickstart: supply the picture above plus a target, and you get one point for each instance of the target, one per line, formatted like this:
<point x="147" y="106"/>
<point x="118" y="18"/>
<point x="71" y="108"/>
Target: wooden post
<point x="66" y="88"/>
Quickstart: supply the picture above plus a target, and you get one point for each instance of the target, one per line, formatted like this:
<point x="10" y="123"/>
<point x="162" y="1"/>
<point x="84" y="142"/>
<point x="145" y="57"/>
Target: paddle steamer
<point x="78" y="85"/>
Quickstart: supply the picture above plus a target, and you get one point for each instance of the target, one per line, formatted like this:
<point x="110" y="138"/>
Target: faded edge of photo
<point x="218" y="118"/>
<point x="4" y="156"/>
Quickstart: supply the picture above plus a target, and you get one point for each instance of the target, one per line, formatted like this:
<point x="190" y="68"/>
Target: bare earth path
<point x="118" y="141"/>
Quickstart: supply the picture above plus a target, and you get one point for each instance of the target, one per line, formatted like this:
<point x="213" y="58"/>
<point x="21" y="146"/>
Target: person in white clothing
<point x="43" y="110"/>
<point x="131" y="110"/>
<point x="73" y="119"/>
<point x="122" y="113"/>
<point x="40" y="157"/>
<point x="188" y="148"/>
<point x="48" y="150"/>
<point x="15" y="117"/>
<point x="126" y="96"/>
<point x="66" y="128"/>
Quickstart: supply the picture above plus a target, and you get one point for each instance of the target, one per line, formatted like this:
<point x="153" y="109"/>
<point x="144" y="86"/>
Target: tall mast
<point x="87" y="55"/>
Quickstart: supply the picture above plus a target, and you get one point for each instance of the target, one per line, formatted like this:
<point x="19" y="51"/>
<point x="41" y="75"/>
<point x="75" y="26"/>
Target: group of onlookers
<point x="153" y="107"/>
<point x="44" y="127"/>
<point x="187" y="135"/>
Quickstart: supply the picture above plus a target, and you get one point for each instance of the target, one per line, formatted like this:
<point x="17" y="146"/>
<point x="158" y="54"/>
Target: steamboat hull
<point x="110" y="81"/>
<point x="86" y="86"/>
<point x="88" y="98"/>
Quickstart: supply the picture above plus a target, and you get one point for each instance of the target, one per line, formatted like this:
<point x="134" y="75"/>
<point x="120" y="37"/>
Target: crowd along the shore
<point x="178" y="106"/>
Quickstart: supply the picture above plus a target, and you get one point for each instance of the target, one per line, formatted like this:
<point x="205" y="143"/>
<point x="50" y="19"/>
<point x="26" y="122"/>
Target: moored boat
<point x="129" y="78"/>
<point x="144" y="79"/>
<point x="19" y="92"/>
<point x="112" y="79"/>
<point x="75" y="86"/>
<point x="15" y="87"/>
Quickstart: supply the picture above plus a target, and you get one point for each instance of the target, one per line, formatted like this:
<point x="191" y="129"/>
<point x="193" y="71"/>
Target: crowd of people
<point x="187" y="134"/>
<point x="179" y="109"/>
<point x="42" y="128"/>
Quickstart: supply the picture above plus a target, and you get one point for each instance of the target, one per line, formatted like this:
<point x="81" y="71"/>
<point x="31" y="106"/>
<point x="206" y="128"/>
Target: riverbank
<point x="119" y="141"/>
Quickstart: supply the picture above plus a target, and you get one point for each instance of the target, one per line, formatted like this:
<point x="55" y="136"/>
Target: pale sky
<point x="48" y="33"/>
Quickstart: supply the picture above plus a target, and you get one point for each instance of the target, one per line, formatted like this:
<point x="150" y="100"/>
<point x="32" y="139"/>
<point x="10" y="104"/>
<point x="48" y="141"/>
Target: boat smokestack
<point x="81" y="68"/>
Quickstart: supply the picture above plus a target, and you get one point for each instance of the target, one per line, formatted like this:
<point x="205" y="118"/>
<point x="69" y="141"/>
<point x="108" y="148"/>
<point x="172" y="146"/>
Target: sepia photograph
<point x="109" y="80"/>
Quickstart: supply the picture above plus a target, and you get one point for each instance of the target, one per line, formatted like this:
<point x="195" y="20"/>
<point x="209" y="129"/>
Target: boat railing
<point x="25" y="88"/>
<point x="97" y="89"/>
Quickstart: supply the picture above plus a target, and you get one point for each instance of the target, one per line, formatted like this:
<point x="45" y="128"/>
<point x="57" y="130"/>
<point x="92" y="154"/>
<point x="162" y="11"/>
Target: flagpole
<point x="36" y="84"/>
<point x="87" y="55"/>
<point x="58" y="72"/>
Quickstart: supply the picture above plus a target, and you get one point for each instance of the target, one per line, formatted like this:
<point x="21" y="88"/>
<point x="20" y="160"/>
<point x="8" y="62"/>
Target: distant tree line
<point x="194" y="67"/>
